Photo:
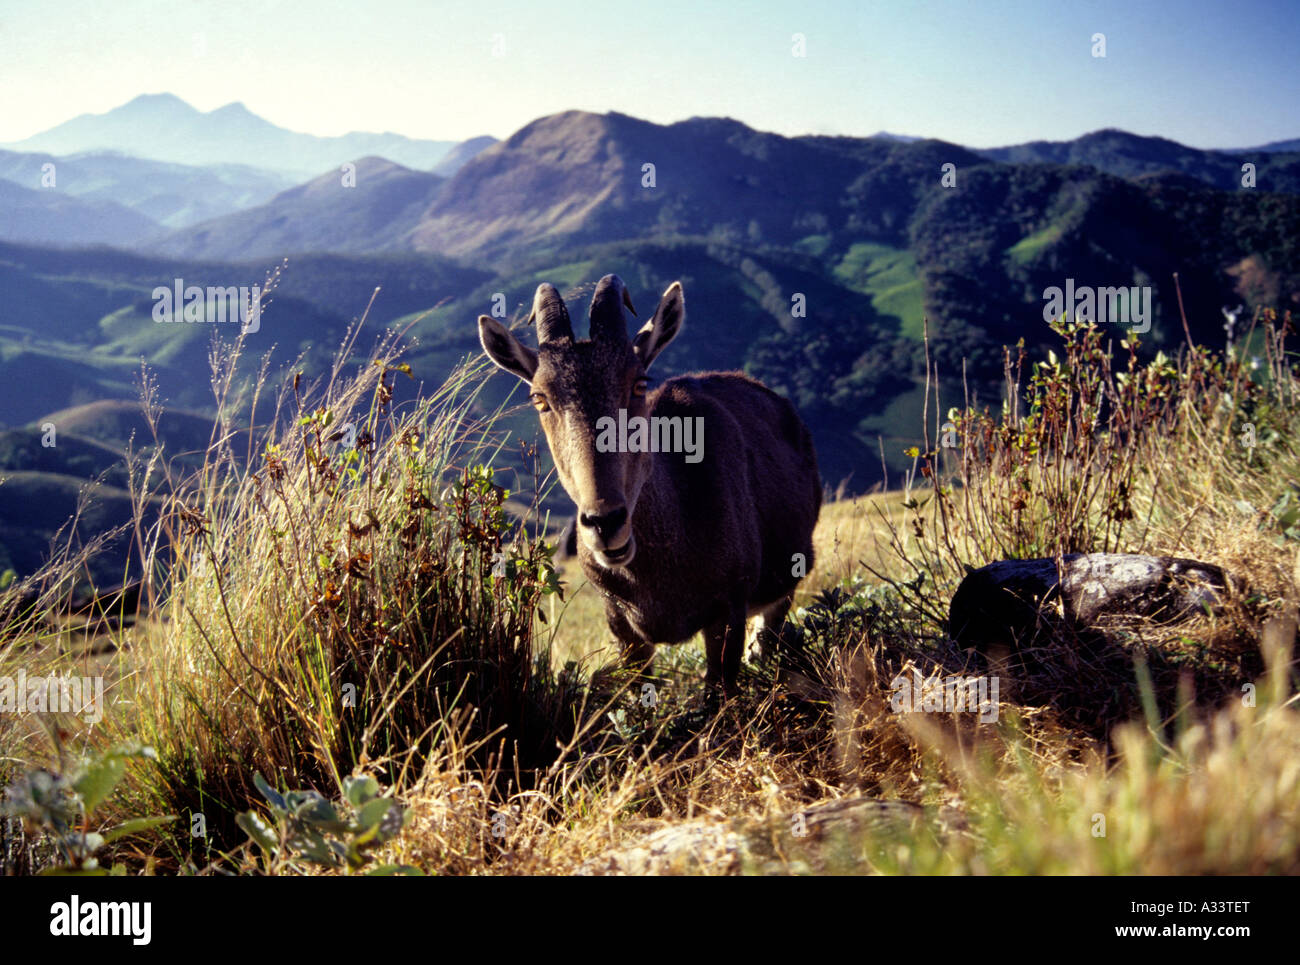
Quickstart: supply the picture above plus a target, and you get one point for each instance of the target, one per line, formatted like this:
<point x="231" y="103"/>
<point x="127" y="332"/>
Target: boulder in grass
<point x="814" y="840"/>
<point x="1011" y="602"/>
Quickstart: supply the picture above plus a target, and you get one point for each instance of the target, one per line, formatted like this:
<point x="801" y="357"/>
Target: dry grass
<point x="518" y="749"/>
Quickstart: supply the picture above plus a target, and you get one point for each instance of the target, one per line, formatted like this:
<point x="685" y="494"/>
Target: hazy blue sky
<point x="978" y="73"/>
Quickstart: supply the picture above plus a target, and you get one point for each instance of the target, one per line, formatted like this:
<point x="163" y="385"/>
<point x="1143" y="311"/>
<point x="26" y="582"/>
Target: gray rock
<point x="1010" y="602"/>
<point x="800" y="842"/>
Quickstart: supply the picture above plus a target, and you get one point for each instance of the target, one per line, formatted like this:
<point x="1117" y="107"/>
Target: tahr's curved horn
<point x="549" y="313"/>
<point x="607" y="318"/>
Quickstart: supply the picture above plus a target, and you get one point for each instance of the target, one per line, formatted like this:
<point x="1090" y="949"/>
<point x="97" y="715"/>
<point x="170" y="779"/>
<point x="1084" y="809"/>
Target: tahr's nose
<point x="605" y="524"/>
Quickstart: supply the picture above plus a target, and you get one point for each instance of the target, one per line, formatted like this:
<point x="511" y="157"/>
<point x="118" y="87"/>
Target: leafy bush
<point x="61" y="804"/>
<point x="304" y="826"/>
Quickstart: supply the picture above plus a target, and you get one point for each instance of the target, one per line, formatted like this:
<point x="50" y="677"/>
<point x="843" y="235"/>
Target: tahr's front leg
<point x="724" y="643"/>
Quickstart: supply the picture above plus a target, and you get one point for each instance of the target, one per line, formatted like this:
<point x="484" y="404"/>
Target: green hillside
<point x="815" y="264"/>
<point x="37" y="510"/>
<point x="890" y="276"/>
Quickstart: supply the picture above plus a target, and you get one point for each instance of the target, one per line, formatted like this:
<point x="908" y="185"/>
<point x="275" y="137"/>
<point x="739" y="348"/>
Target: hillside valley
<point x="817" y="264"/>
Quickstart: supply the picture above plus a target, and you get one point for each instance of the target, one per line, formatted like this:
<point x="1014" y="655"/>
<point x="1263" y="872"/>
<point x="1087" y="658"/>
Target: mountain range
<point x="170" y="195"/>
<point x="818" y="264"/>
<point x="1127" y="155"/>
<point x="163" y="127"/>
<point x="46" y="217"/>
<point x="368" y="210"/>
<point x="176" y="167"/>
<point x="577" y="177"/>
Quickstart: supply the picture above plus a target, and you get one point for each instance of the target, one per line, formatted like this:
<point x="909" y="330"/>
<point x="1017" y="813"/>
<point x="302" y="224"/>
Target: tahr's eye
<point x="639" y="386"/>
<point x="539" y="402"/>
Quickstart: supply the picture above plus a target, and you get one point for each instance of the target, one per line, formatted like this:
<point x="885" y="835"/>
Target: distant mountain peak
<point x="152" y="105"/>
<point x="462" y="154"/>
<point x="374" y="164"/>
<point x="163" y="97"/>
<point x="1116" y="133"/>
<point x="163" y="127"/>
<point x="234" y="107"/>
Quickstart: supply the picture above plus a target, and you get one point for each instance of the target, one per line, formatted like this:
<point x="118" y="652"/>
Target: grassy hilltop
<point x="359" y="614"/>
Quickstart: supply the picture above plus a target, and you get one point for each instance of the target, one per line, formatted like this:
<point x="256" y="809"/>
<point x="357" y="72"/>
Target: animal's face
<point x="575" y="388"/>
<point x="583" y="391"/>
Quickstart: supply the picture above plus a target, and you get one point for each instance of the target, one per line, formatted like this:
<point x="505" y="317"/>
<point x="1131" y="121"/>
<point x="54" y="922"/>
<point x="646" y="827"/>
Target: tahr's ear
<point x="505" y="350"/>
<point x="668" y="320"/>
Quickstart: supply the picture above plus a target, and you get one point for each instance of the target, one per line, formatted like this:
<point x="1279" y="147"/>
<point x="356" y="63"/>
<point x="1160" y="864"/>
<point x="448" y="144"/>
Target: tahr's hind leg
<point x="765" y="627"/>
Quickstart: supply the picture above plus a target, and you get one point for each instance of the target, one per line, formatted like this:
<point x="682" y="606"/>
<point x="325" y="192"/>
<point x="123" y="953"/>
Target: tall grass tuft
<point x="343" y="593"/>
